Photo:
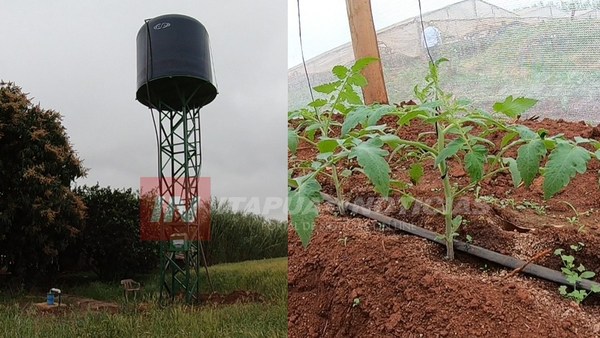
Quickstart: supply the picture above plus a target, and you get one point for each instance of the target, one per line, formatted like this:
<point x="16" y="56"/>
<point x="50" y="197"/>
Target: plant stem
<point x="419" y="145"/>
<point x="306" y="139"/>
<point x="449" y="195"/>
<point x="338" y="191"/>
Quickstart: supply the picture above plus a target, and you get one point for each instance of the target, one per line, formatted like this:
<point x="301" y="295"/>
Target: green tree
<point x="39" y="213"/>
<point x="110" y="238"/>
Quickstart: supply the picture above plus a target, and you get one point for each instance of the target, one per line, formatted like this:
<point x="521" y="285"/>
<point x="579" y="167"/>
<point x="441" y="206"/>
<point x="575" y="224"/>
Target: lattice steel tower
<point x="175" y="80"/>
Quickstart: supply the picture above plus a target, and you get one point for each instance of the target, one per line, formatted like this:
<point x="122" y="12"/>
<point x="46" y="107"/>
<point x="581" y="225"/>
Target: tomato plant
<point x="318" y="125"/>
<point x="461" y="135"/>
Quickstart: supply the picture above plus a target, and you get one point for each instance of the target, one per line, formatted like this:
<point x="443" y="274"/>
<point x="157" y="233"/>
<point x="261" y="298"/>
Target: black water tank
<point x="173" y="63"/>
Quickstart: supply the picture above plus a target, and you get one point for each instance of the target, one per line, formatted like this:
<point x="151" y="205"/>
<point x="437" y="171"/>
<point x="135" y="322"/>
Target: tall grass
<point x="239" y="236"/>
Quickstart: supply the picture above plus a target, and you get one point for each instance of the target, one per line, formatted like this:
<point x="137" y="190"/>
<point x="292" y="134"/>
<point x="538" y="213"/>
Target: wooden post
<point x="364" y="44"/>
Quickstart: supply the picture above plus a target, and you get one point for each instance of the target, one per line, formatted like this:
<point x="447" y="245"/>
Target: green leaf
<point x="399" y="184"/>
<point x="587" y="274"/>
<point x="514" y="108"/>
<point x="391" y="140"/>
<point x="292" y="141"/>
<point x="324" y="156"/>
<point x="456" y="222"/>
<point x="327" y="145"/>
<point x="346" y="173"/>
<point x="562" y="290"/>
<point x="353" y="119"/>
<point x="303" y="213"/>
<point x="416" y="172"/>
<point x="377" y="112"/>
<point x="318" y="103"/>
<point x="565" y="161"/>
<point x="328" y="88"/>
<point x="508" y="138"/>
<point x="566" y="271"/>
<point x="310" y="187"/>
<point x="311" y="129"/>
<point x="526" y="133"/>
<point x="411" y="115"/>
<point x="573" y="279"/>
<point x="568" y="259"/>
<point x="371" y="158"/>
<point x="528" y="159"/>
<point x="360" y="64"/>
<point x="514" y="170"/>
<point x="451" y="149"/>
<point x="365" y="115"/>
<point x="595" y="288"/>
<point x="558" y="252"/>
<point x="407" y="201"/>
<point x="302" y="207"/>
<point x="349" y="95"/>
<point x="580" y="140"/>
<point x="475" y="161"/>
<point x="341" y="108"/>
<point x="597" y="153"/>
<point x="578" y="295"/>
<point x="340" y="71"/>
<point x="357" y="80"/>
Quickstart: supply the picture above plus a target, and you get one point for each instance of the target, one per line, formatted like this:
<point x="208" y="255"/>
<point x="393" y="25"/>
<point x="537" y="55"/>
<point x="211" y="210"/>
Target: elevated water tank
<point x="173" y="63"/>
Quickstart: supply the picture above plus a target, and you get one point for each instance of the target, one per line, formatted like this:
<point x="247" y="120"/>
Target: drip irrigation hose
<point x="489" y="255"/>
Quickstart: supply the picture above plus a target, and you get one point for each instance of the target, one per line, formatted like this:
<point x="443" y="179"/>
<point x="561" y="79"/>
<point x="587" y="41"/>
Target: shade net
<point x="547" y="51"/>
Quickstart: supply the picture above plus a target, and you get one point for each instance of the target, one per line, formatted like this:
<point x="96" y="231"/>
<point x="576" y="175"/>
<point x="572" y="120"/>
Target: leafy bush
<point x="39" y="213"/>
<point x="110" y="239"/>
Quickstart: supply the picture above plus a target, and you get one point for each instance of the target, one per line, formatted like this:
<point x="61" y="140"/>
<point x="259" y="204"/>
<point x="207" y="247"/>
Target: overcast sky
<point x="79" y="58"/>
<point x="325" y="22"/>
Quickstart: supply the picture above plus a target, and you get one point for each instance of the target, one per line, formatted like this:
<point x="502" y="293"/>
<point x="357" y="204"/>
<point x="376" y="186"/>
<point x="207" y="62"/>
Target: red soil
<point x="355" y="279"/>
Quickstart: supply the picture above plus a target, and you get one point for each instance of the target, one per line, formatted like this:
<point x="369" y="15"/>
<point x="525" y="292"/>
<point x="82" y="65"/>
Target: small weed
<point x="577" y="247"/>
<point x="537" y="208"/>
<point x="575" y="274"/>
<point x="469" y="239"/>
<point x="500" y="202"/>
<point x="574" y="220"/>
<point x="356" y="302"/>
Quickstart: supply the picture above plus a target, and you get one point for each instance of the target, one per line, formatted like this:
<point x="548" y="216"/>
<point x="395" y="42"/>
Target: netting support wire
<point x="437" y="127"/>
<point x="423" y="32"/>
<point x="312" y="97"/>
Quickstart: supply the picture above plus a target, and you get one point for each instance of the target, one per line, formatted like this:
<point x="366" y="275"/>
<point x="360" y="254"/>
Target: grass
<point x="269" y="319"/>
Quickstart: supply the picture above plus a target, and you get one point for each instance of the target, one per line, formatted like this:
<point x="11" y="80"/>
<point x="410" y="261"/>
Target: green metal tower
<point x="180" y="160"/>
<point x="175" y="81"/>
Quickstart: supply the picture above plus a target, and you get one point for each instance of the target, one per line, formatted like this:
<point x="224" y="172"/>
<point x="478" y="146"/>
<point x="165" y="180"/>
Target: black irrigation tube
<point x="489" y="255"/>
